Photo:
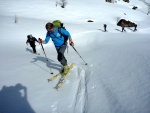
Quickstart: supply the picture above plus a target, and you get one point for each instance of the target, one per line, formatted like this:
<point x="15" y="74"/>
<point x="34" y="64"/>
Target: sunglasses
<point x="49" y="29"/>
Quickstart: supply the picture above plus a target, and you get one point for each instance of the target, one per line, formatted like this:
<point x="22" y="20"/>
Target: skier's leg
<point x="61" y="58"/>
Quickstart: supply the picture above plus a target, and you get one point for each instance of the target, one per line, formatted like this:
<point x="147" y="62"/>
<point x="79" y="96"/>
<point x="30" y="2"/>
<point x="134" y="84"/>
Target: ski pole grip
<point x="40" y="40"/>
<point x="71" y="43"/>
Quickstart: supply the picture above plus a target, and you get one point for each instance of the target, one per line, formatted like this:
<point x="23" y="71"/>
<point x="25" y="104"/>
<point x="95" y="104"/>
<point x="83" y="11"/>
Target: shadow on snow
<point x="13" y="99"/>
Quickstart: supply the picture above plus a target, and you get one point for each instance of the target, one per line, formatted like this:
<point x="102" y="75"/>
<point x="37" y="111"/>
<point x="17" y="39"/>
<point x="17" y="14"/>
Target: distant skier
<point x="123" y="30"/>
<point x="135" y="27"/>
<point x="105" y="27"/>
<point x="31" y="40"/>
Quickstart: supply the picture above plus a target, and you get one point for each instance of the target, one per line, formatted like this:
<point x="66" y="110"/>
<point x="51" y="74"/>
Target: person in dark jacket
<point x="135" y="27"/>
<point x="105" y="27"/>
<point x="123" y="28"/>
<point x="31" y="40"/>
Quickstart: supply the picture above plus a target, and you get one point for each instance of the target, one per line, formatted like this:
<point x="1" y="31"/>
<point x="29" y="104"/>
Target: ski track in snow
<point x="78" y="80"/>
<point x="80" y="97"/>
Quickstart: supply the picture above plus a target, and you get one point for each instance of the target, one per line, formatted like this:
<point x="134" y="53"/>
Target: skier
<point x="105" y="27"/>
<point x="135" y="27"/>
<point x="31" y="40"/>
<point x="59" y="43"/>
<point x="123" y="30"/>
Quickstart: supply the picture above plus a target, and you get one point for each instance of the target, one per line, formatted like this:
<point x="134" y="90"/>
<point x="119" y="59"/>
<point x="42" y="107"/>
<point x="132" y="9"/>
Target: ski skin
<point x="59" y="85"/>
<point x="54" y="77"/>
<point x="36" y="53"/>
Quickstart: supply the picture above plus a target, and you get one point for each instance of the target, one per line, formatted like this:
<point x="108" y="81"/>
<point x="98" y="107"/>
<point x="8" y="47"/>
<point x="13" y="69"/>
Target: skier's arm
<point x="41" y="41"/>
<point x="46" y="39"/>
<point x="71" y="42"/>
<point x="27" y="41"/>
<point x="35" y="39"/>
<point x="65" y="32"/>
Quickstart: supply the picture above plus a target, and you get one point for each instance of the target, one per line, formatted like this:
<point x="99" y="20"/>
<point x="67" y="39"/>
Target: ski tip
<point x="86" y="64"/>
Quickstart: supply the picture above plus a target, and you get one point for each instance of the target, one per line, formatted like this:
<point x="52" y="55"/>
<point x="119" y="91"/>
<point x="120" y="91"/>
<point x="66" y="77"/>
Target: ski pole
<point x="43" y="49"/>
<point x="79" y="55"/>
<point x="27" y="48"/>
<point x="67" y="48"/>
<point x="45" y="54"/>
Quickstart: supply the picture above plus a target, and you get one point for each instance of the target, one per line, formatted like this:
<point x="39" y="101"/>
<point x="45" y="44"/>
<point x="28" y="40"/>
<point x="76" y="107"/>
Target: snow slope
<point x="116" y="79"/>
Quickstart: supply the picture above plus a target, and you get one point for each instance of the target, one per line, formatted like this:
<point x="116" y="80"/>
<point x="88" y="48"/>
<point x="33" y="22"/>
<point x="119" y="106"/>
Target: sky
<point x="116" y="79"/>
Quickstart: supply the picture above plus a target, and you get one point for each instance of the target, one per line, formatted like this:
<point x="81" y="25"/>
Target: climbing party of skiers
<point x="59" y="36"/>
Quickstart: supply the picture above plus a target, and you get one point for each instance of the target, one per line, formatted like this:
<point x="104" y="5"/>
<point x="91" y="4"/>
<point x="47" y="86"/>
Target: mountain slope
<point x="116" y="79"/>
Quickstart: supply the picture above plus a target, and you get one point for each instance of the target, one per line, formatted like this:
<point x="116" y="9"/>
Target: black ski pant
<point x="61" y="58"/>
<point x="34" y="49"/>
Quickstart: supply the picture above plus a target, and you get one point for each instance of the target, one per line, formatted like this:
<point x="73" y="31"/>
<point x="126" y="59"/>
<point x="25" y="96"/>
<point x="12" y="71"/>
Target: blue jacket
<point x="56" y="37"/>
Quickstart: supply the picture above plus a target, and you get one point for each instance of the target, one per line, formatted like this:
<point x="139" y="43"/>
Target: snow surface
<point x="116" y="79"/>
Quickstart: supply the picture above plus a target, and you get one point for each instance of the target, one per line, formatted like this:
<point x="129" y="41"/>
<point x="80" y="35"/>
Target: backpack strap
<point x="65" y="37"/>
